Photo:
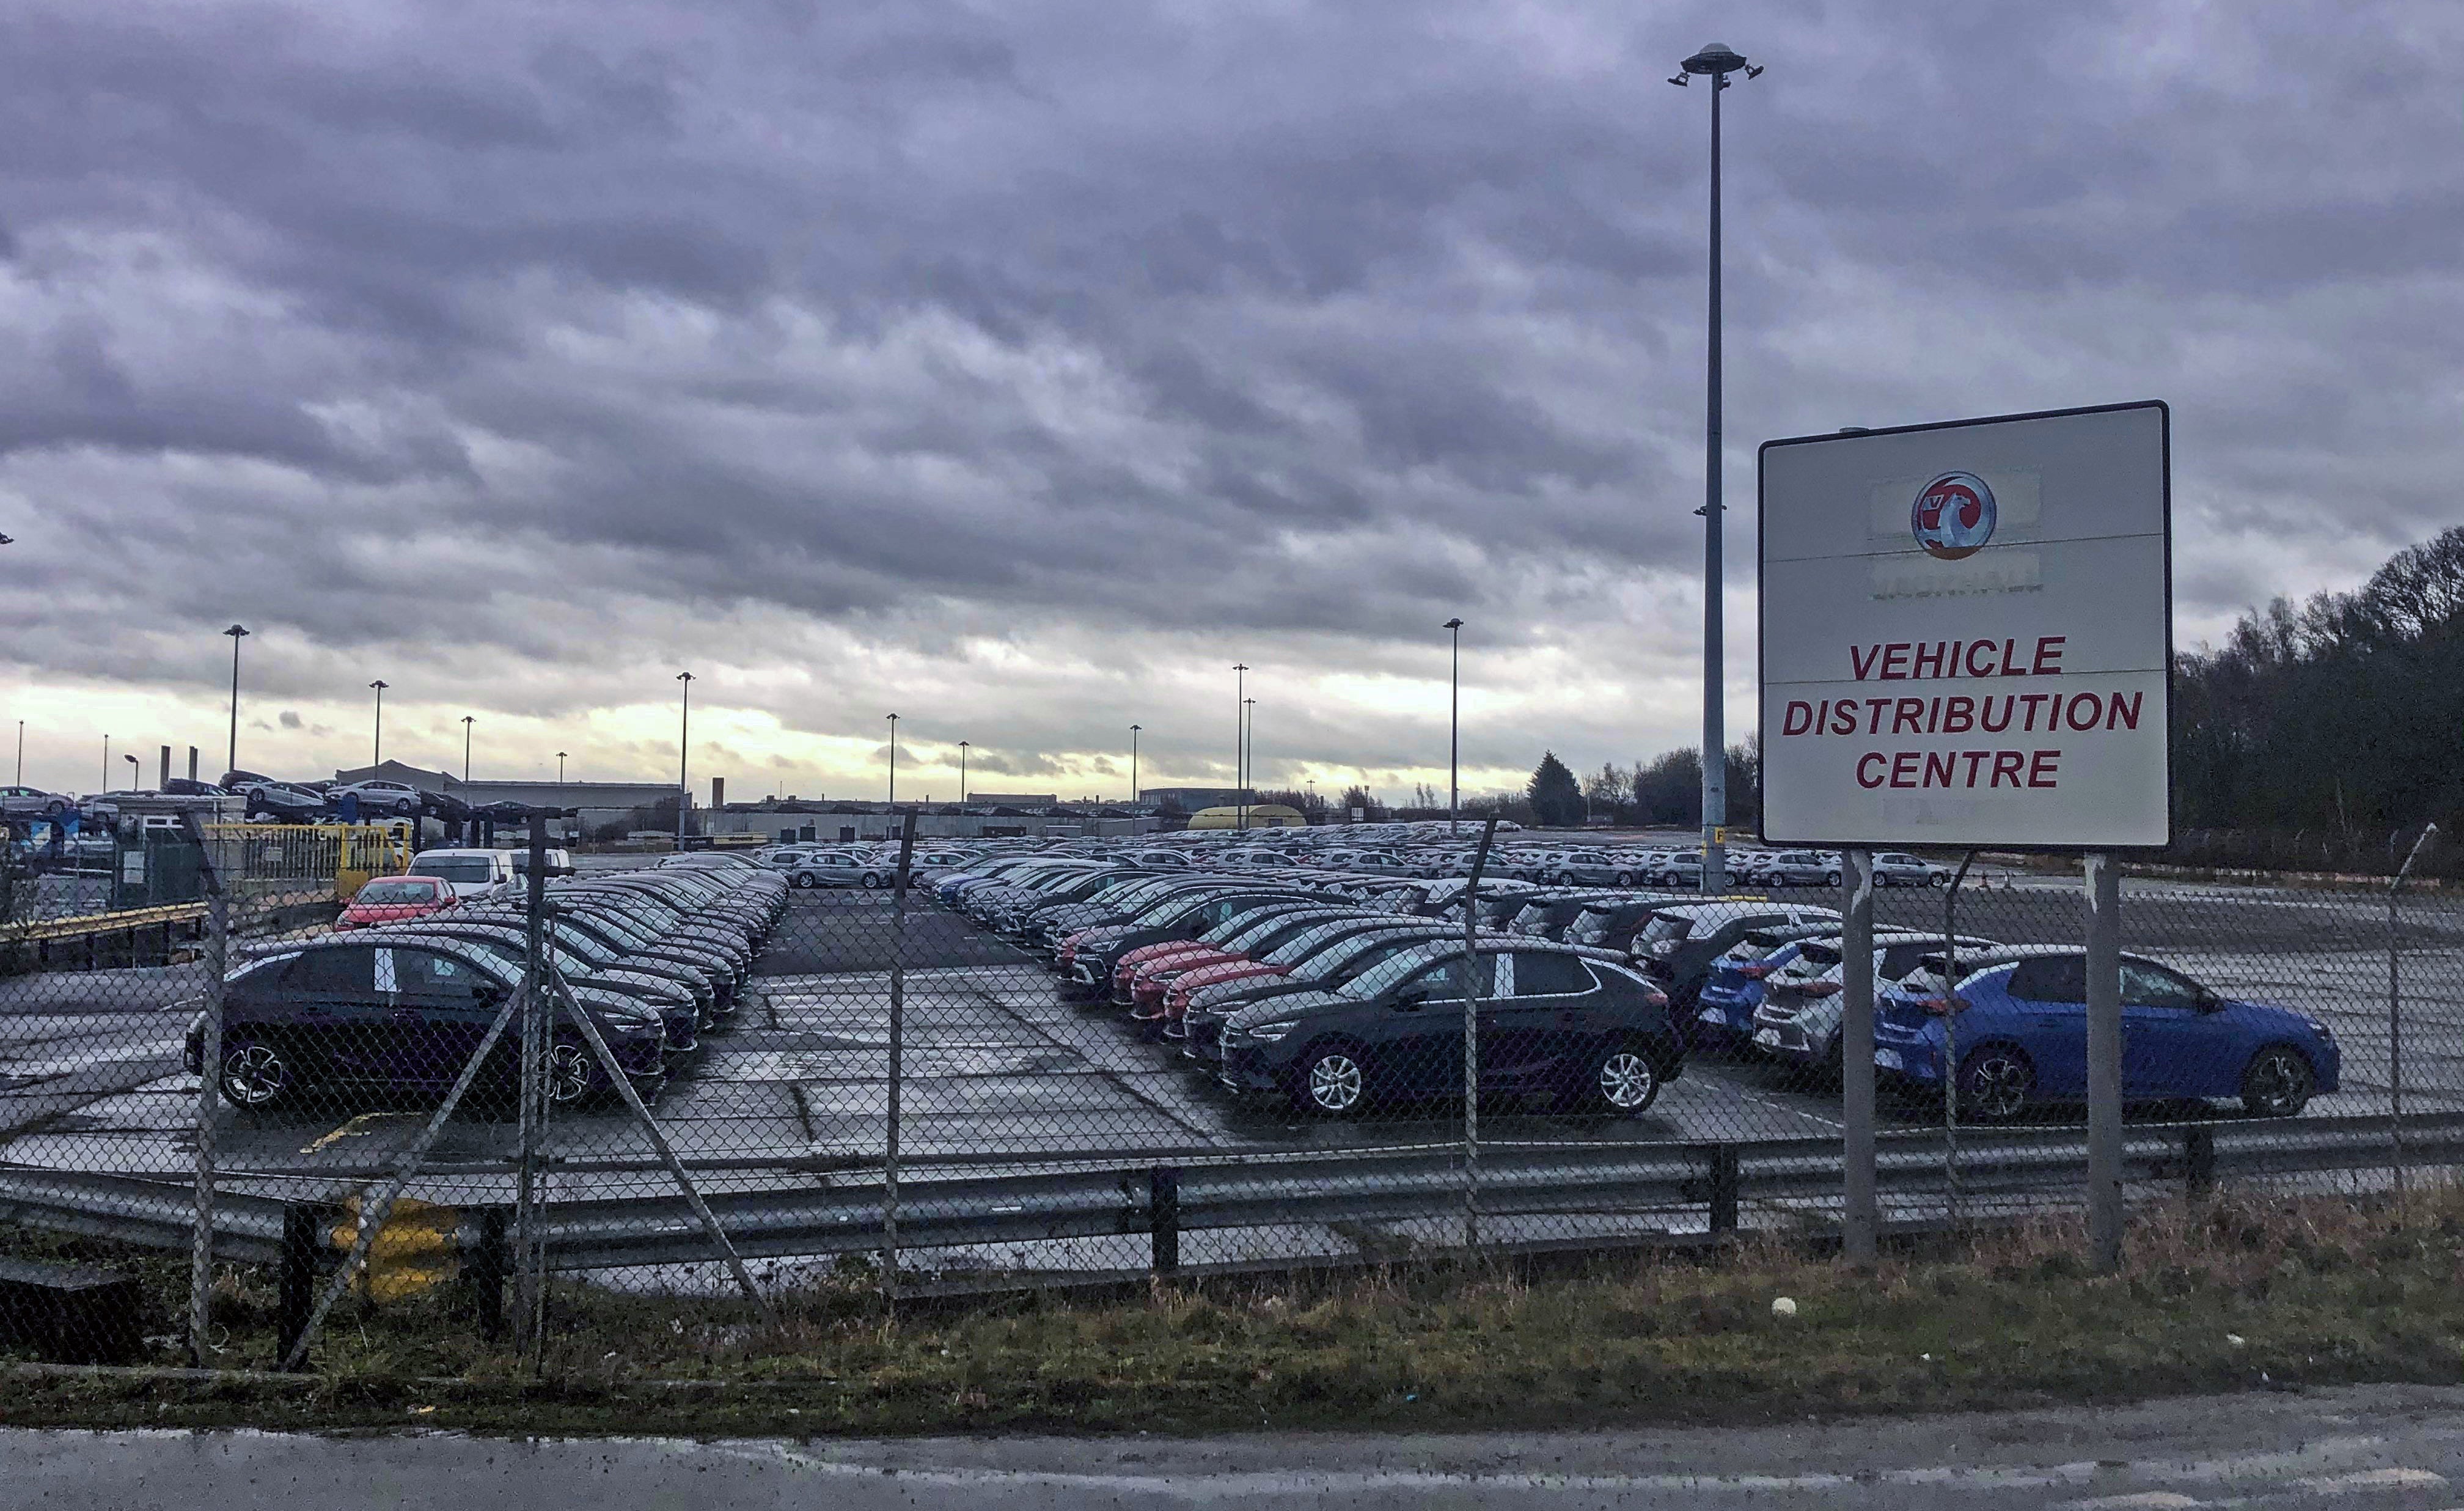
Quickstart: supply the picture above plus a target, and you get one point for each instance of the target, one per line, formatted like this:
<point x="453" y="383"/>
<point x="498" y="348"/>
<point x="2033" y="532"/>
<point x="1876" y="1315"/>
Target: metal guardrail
<point x="111" y="922"/>
<point x="1246" y="1191"/>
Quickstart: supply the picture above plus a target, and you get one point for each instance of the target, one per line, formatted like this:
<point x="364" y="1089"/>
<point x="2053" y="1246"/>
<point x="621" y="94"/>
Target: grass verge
<point x="2238" y="1292"/>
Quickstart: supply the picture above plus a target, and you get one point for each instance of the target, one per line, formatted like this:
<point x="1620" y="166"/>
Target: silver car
<point x="379" y="796"/>
<point x="1892" y="868"/>
<point x="32" y="802"/>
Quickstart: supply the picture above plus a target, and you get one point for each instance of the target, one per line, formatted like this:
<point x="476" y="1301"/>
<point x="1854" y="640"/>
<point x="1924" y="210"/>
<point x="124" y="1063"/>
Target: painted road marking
<point x="358" y="1128"/>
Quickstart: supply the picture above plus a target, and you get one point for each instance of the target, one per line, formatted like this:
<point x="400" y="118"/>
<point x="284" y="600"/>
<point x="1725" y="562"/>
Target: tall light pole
<point x="237" y="634"/>
<point x="1134" y="762"/>
<point x="1239" y="761"/>
<point x="466" y="719"/>
<point x="21" y="752"/>
<point x="559" y="771"/>
<point x="375" y="750"/>
<point x="963" y="774"/>
<point x="684" y="758"/>
<point x="1454" y="726"/>
<point x="893" y="759"/>
<point x="106" y="762"/>
<point x="133" y="763"/>
<point x="1249" y="742"/>
<point x="1716" y="61"/>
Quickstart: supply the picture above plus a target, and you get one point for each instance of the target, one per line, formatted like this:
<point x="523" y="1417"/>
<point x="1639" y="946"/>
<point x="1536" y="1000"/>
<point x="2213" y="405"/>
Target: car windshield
<point x="397" y="892"/>
<point x="1385" y="972"/>
<point x="456" y="868"/>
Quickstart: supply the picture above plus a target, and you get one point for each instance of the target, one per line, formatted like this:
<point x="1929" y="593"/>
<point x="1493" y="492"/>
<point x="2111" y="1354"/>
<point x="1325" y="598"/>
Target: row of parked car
<point x="1330" y="988"/>
<point x="653" y="960"/>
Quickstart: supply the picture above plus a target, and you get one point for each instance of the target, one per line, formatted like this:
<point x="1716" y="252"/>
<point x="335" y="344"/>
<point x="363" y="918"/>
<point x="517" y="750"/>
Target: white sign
<point x="1966" y="632"/>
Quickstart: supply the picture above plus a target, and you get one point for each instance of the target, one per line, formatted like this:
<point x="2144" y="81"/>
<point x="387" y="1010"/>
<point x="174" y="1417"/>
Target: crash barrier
<point x="713" y="1080"/>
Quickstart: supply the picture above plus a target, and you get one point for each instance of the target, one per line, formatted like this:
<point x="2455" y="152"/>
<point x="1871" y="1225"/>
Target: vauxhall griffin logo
<point x="1953" y="516"/>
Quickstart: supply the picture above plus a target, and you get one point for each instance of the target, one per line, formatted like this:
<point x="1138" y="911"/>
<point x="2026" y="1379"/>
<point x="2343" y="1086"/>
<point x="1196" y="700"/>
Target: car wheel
<point x="255" y="1073"/>
<point x="1332" y="1082"/>
<point x="806" y="879"/>
<point x="1995" y="1084"/>
<point x="1831" y="878"/>
<point x="1934" y="878"/>
<point x="569" y="1067"/>
<point x="1619" y="1079"/>
<point x="1565" y="878"/>
<point x="872" y="882"/>
<point x="406" y="808"/>
<point x="1625" y="878"/>
<point x="2278" y="1083"/>
<point x="54" y="809"/>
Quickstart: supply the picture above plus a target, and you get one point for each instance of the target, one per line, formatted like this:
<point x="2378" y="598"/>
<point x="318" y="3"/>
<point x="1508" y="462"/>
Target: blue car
<point x="2020" y="1022"/>
<point x="1723" y="1010"/>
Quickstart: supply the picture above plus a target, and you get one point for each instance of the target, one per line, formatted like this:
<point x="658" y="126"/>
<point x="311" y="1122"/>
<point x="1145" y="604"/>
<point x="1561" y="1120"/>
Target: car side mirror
<point x="1410" y="1001"/>
<point x="487" y="991"/>
<point x="2209" y="1001"/>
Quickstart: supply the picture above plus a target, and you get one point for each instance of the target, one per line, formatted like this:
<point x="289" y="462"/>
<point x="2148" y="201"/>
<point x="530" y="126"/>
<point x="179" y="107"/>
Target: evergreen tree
<point x="1556" y="797"/>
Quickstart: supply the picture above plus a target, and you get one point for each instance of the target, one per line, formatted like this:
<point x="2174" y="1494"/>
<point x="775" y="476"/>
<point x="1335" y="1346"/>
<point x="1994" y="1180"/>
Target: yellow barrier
<point x="255" y="857"/>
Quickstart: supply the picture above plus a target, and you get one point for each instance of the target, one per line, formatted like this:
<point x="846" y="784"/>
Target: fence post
<point x="210" y="1061"/>
<point x="301" y="1233"/>
<point x="2199" y="1159"/>
<point x="483" y="1274"/>
<point x="1951" y="1203"/>
<point x="2395" y="1017"/>
<point x="1471" y="1037"/>
<point x="1163" y="1218"/>
<point x="1725" y="1181"/>
<point x="1859" y="1205"/>
<point x="2104" y="1063"/>
<point x="529" y="1281"/>
<point x="897" y="1068"/>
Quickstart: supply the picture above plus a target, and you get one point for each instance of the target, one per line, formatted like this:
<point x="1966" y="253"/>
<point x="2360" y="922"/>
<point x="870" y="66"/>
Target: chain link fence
<point x="708" y="1080"/>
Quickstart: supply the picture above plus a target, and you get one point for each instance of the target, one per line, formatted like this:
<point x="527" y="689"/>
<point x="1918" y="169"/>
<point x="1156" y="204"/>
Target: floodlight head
<point x="1680" y="81"/>
<point x="1451" y="624"/>
<point x="1753" y="70"/>
<point x="236" y="631"/>
<point x="1715" y="59"/>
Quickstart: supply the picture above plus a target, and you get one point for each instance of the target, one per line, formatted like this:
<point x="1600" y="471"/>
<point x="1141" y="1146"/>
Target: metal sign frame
<point x="1871" y="842"/>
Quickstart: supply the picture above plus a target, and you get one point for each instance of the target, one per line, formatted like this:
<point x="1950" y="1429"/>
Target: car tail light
<point x="1656" y="997"/>
<point x="1818" y="988"/>
<point x="1753" y="972"/>
<point x="1943" y="1007"/>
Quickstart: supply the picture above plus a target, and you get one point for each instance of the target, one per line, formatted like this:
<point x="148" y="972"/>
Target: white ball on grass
<point x="1783" y="1307"/>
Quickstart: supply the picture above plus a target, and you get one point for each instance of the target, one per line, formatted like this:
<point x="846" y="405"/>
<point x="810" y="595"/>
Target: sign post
<point x="1967" y="643"/>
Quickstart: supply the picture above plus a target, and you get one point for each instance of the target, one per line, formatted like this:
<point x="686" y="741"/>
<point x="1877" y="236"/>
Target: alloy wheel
<point x="1335" y="1083"/>
<point x="568" y="1072"/>
<point x="1999" y="1082"/>
<point x="2278" y="1083"/>
<point x="254" y="1075"/>
<point x="1626" y="1080"/>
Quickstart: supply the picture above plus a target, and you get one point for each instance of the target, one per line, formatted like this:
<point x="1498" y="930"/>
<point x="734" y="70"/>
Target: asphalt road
<point x="2379" y="1448"/>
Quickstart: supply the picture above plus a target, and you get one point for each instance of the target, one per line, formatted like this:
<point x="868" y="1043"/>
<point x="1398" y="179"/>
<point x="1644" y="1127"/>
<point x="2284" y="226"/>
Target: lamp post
<point x="21" y="752"/>
<point x="132" y="771"/>
<point x="237" y="634"/>
<point x="963" y="774"/>
<point x="1249" y="745"/>
<point x="106" y="762"/>
<point x="893" y="759"/>
<point x="559" y="773"/>
<point x="1133" y="764"/>
<point x="1716" y="61"/>
<point x="466" y="719"/>
<point x="1454" y="726"/>
<point x="1239" y="761"/>
<point x="375" y="750"/>
<point x="684" y="758"/>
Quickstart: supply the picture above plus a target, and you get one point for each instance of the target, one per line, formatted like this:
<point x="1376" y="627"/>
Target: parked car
<point x="1725" y="1006"/>
<point x="378" y="796"/>
<point x="32" y="802"/>
<point x="1893" y="869"/>
<point x="840" y="868"/>
<point x="1799" y="868"/>
<point x="1799" y="1020"/>
<point x="282" y="801"/>
<point x="1677" y="945"/>
<point x="1592" y="1037"/>
<point x="394" y="899"/>
<point x="470" y="873"/>
<point x="2018" y="1022"/>
<point x="397" y="1014"/>
<point x="559" y="862"/>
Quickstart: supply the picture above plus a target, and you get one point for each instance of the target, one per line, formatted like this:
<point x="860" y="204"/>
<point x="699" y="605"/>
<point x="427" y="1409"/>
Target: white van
<point x="469" y="873"/>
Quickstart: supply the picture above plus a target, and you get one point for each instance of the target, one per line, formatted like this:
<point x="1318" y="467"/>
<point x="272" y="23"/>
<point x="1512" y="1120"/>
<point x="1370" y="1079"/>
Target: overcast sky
<point x="1019" y="368"/>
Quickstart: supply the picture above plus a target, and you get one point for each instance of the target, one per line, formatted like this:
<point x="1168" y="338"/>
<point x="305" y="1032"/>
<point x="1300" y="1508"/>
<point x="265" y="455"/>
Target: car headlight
<point x="1273" y="1033"/>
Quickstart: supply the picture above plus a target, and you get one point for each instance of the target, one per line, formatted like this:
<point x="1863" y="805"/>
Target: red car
<point x="390" y="900"/>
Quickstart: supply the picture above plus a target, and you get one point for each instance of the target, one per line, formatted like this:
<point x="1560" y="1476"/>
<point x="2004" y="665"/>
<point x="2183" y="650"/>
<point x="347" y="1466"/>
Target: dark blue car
<point x="2020" y="1031"/>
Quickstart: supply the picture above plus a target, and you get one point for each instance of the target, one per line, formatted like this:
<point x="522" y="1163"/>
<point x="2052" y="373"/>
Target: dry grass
<point x="2238" y="1292"/>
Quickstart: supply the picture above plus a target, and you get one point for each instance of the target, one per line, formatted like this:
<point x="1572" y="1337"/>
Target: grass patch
<point x="2235" y="1293"/>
